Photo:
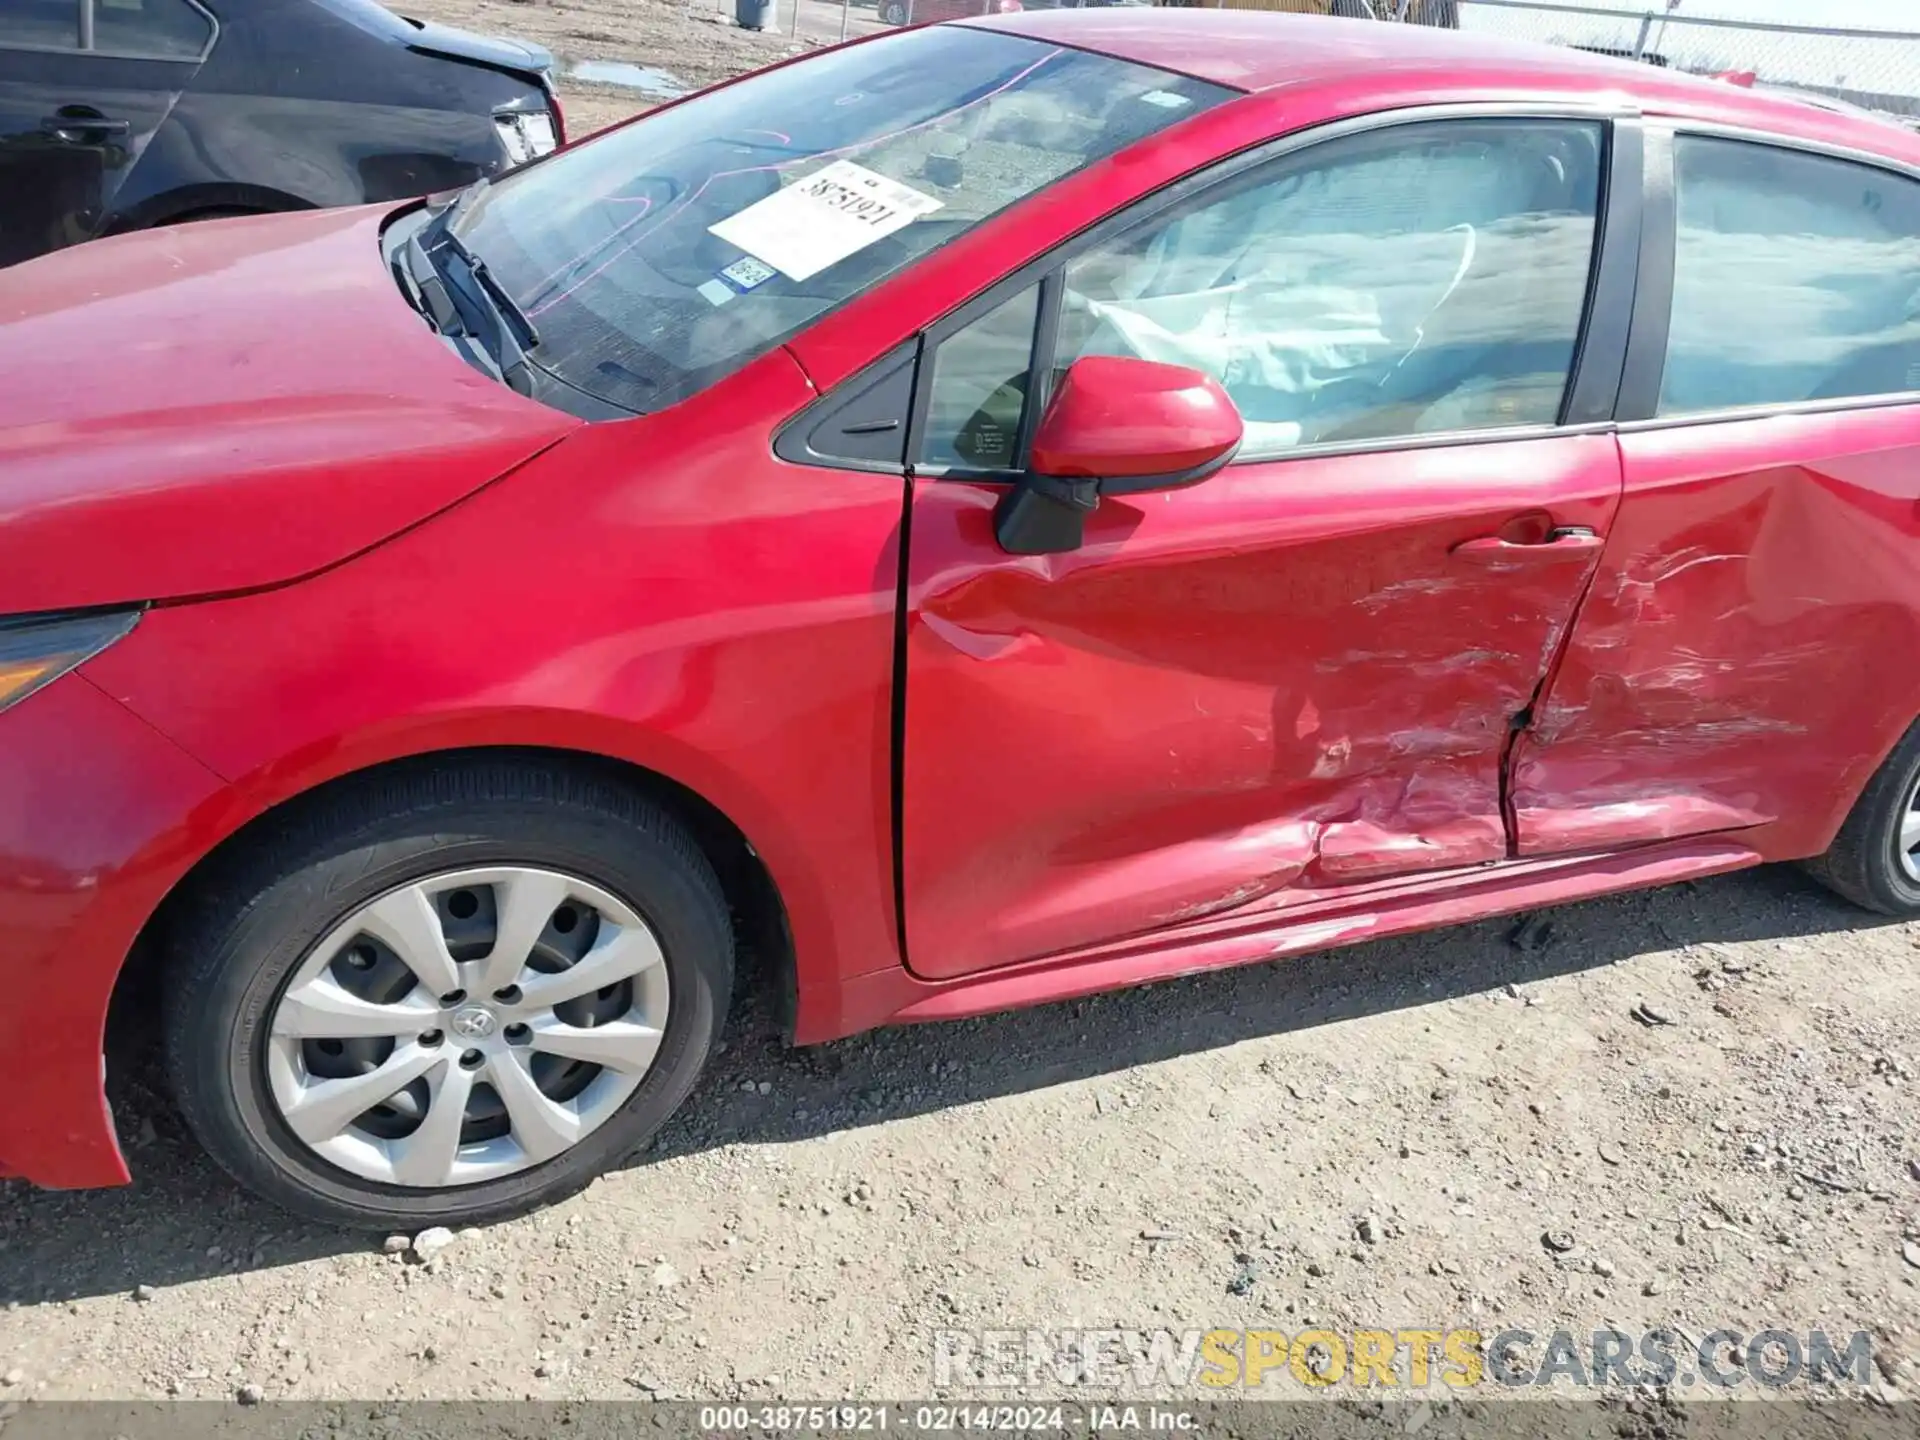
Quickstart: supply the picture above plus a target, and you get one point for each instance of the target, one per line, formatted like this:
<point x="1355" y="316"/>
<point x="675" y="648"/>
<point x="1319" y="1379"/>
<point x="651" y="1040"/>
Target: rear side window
<point x="1796" y="278"/>
<point x="40" y="24"/>
<point x="163" y="29"/>
<point x="148" y="29"/>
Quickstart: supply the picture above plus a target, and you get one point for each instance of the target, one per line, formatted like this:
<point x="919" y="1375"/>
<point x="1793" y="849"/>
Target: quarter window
<point x="979" y="388"/>
<point x="163" y="29"/>
<point x="1796" y="279"/>
<point x="1411" y="281"/>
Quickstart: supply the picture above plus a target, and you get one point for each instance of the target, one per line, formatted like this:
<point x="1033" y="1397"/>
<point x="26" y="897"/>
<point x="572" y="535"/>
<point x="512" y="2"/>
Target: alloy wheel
<point x="466" y="1026"/>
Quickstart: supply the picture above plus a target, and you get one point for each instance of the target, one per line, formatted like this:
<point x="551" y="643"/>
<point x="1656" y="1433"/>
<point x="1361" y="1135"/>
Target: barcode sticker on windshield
<point x="825" y="217"/>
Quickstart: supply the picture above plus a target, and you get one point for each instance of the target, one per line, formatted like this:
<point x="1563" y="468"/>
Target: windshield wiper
<point x="505" y="305"/>
<point x="463" y="299"/>
<point x="426" y="288"/>
<point x="449" y="214"/>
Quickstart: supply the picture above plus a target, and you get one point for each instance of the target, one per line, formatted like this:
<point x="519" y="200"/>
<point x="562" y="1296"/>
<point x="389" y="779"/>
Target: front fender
<point x="100" y="816"/>
<point x="661" y="591"/>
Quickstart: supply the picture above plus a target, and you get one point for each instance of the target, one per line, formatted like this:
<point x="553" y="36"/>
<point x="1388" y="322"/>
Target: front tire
<point x="449" y="995"/>
<point x="1875" y="859"/>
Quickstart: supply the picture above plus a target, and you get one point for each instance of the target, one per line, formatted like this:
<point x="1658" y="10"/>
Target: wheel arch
<point x="758" y="908"/>
<point x="189" y="201"/>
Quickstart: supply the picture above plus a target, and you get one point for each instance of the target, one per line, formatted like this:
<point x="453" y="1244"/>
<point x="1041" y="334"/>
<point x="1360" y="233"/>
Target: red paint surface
<point x="1315" y="923"/>
<point x="1118" y="417"/>
<point x="1283" y="676"/>
<point x="99" y="815"/>
<point x="725" y="620"/>
<point x="263" y="408"/>
<point x="1732" y="666"/>
<point x="1262" y="715"/>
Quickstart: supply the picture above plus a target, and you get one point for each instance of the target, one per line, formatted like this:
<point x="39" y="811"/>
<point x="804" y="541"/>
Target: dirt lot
<point x="1466" y="1128"/>
<point x="1209" y="1152"/>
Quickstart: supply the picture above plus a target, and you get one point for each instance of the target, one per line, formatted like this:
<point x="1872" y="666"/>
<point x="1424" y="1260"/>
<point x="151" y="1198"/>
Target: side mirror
<point x="1115" y="426"/>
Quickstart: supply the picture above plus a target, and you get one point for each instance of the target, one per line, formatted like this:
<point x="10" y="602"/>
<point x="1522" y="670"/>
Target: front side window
<point x="656" y="259"/>
<point x="40" y="24"/>
<point x="163" y="29"/>
<point x="1796" y="278"/>
<point x="1416" y="280"/>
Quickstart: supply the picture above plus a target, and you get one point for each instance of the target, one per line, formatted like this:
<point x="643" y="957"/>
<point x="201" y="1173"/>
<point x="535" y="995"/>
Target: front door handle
<point x="1570" y="543"/>
<point x="68" y="123"/>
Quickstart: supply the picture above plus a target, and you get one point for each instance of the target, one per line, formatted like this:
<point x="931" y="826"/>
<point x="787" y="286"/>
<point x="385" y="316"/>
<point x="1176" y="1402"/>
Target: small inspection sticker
<point x="746" y="274"/>
<point x="1166" y="99"/>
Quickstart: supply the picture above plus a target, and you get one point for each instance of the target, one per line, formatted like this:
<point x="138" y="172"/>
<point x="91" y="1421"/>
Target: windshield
<point x="661" y="257"/>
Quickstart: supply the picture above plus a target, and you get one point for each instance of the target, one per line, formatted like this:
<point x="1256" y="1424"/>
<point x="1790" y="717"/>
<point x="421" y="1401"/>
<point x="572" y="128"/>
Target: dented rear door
<point x="1737" y="665"/>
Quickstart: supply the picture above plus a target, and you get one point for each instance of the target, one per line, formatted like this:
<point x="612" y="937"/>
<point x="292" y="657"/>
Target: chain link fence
<point x="1877" y="70"/>
<point x="1870" y="69"/>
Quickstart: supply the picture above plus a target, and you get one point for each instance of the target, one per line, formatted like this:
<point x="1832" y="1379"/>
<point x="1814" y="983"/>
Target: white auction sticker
<point x="820" y="220"/>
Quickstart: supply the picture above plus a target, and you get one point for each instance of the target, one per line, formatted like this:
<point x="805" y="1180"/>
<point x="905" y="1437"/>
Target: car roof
<point x="1257" y="50"/>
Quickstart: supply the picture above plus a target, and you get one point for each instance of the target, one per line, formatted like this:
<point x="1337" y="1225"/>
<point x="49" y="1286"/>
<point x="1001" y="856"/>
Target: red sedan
<point x="998" y="511"/>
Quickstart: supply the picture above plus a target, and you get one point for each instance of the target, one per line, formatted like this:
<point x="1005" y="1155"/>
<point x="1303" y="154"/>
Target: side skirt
<point x="1361" y="913"/>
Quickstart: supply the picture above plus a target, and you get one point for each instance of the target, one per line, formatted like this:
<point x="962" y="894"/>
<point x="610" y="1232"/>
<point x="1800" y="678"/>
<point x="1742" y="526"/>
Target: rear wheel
<point x="449" y="997"/>
<point x="1875" y="859"/>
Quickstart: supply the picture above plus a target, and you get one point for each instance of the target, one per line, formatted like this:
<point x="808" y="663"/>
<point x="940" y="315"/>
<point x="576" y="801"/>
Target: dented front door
<point x="1301" y="673"/>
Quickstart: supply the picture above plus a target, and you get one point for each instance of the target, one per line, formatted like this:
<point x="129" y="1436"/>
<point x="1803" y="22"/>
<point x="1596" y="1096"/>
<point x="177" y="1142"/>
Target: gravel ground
<point x="1378" y="1136"/>
<point x="1694" y="1106"/>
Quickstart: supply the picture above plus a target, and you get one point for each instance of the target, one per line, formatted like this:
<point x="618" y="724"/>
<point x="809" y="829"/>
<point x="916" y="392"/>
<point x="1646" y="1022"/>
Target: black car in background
<point x="121" y="114"/>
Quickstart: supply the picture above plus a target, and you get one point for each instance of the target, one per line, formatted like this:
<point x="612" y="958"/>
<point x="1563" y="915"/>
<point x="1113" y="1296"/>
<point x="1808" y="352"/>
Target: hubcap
<point x="467" y="1026"/>
<point x="1909" y="842"/>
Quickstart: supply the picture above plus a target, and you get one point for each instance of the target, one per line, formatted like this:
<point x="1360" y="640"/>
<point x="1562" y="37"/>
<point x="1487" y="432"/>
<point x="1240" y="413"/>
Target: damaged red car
<point x="993" y="512"/>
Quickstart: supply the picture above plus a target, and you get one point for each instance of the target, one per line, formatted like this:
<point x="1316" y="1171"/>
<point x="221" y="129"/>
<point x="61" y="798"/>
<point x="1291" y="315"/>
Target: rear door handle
<point x="1571" y="543"/>
<point x="62" y="127"/>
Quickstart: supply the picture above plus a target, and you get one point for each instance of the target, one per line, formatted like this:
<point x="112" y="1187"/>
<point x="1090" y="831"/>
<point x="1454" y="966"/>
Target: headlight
<point x="36" y="652"/>
<point x="526" y="135"/>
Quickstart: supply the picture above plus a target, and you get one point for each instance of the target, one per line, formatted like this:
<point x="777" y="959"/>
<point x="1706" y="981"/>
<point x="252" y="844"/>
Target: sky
<point x="1883" y="66"/>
